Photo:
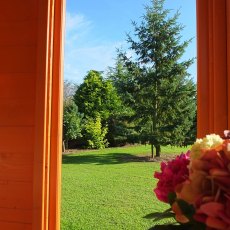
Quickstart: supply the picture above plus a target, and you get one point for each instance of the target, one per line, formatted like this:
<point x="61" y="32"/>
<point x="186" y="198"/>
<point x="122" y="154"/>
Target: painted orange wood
<point x="15" y="226"/>
<point x="228" y="58"/>
<point x="56" y="116"/>
<point x="212" y="67"/>
<point x="31" y="44"/>
<point x="17" y="112"/>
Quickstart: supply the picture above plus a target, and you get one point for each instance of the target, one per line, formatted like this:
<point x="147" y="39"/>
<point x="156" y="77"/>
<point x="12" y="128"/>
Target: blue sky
<point x="95" y="28"/>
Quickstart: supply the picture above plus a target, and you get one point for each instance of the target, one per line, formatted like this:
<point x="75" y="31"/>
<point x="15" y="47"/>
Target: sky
<point x="96" y="28"/>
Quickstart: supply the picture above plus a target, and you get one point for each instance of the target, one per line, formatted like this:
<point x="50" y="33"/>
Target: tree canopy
<point x="98" y="100"/>
<point x="96" y="96"/>
<point x="156" y="78"/>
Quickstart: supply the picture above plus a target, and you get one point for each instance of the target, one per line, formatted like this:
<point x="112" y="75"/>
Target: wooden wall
<point x="18" y="56"/>
<point x="213" y="31"/>
<point x="30" y="113"/>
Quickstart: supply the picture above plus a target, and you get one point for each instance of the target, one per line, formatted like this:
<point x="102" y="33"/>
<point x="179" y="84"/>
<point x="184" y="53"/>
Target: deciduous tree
<point x="98" y="100"/>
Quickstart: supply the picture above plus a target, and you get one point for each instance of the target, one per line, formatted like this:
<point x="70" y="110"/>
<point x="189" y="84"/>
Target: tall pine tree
<point x="163" y="94"/>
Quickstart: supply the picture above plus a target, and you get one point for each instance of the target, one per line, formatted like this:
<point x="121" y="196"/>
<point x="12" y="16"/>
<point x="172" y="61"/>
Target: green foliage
<point x="123" y="125"/>
<point x="121" y="78"/>
<point x="96" y="96"/>
<point x="155" y="81"/>
<point x="95" y="133"/>
<point x="98" y="100"/>
<point x="187" y="209"/>
<point x="71" y="122"/>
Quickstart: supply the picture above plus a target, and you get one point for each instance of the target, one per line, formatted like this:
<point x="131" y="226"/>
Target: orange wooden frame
<point x="213" y="31"/>
<point x="31" y="71"/>
<point x="47" y="160"/>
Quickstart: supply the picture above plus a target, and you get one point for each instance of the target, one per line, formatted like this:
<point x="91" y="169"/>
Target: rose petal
<point x="215" y="223"/>
<point x="211" y="209"/>
<point x="218" y="172"/>
<point x="224" y="217"/>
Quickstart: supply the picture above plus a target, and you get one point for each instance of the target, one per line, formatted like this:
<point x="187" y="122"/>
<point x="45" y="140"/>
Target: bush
<point x="95" y="133"/>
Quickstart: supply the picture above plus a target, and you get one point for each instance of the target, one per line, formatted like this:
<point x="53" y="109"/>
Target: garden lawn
<point x="109" y="189"/>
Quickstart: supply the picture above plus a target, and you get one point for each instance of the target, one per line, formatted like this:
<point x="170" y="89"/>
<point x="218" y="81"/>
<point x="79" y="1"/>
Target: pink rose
<point x="172" y="173"/>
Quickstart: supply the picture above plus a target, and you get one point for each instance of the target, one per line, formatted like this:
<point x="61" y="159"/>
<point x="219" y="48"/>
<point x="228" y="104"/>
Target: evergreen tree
<point x="123" y="124"/>
<point x="163" y="94"/>
<point x="71" y="122"/>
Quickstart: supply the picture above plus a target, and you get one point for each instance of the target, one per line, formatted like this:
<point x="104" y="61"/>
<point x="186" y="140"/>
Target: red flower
<point x="172" y="173"/>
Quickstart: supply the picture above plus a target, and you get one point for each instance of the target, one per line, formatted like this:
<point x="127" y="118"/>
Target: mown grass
<point x="109" y="189"/>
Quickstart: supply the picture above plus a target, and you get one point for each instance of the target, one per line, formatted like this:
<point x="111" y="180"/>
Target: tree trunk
<point x="158" y="150"/>
<point x="66" y="144"/>
<point x="63" y="146"/>
<point x="152" y="150"/>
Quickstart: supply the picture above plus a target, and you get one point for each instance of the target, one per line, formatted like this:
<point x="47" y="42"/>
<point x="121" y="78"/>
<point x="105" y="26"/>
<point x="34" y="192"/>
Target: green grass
<point x="109" y="189"/>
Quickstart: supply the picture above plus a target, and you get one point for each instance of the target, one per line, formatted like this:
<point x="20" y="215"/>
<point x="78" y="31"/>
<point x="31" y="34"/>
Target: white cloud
<point x="75" y="22"/>
<point x="82" y="52"/>
<point x="77" y="26"/>
<point x="82" y="59"/>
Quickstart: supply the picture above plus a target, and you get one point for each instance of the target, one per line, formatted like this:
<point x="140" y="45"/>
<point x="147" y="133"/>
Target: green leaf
<point x="171" y="197"/>
<point x="187" y="209"/>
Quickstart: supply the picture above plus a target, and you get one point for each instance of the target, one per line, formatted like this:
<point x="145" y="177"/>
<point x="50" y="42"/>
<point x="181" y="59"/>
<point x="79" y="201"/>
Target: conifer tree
<point x="163" y="94"/>
<point x="71" y="122"/>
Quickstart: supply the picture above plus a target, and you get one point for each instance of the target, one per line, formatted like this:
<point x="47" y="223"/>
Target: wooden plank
<point x="17" y="112"/>
<point x="16" y="139"/>
<point x="18" y="10"/>
<point x="41" y="166"/>
<point x="16" y="215"/>
<point x="22" y="86"/>
<point x="212" y="67"/>
<point x="26" y="33"/>
<point x="18" y="59"/>
<point x="14" y="226"/>
<point x="56" y="119"/>
<point x="16" y="166"/>
<point x="228" y="59"/>
<point x="18" y="73"/>
<point x="203" y="120"/>
<point x="16" y="195"/>
<point x="220" y="67"/>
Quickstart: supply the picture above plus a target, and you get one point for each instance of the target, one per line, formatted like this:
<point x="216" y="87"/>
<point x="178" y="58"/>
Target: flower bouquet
<point x="196" y="185"/>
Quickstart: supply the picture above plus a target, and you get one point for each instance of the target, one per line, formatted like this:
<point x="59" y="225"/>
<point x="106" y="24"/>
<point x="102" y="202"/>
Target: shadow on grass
<point x="109" y="158"/>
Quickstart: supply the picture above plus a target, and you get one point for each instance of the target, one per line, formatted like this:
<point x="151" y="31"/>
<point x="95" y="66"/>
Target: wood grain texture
<point x="31" y="84"/>
<point x="15" y="226"/>
<point x="56" y="117"/>
<point x="212" y="67"/>
<point x="18" y="68"/>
